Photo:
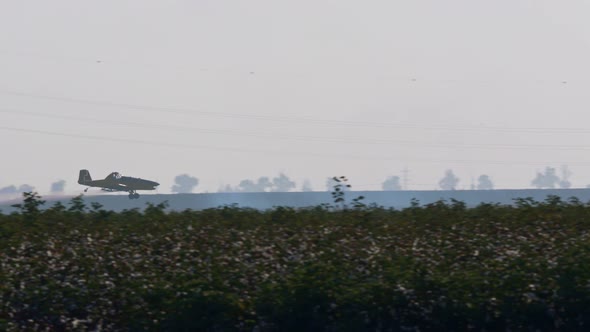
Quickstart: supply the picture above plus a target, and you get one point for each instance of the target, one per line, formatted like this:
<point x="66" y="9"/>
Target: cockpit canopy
<point x="115" y="175"/>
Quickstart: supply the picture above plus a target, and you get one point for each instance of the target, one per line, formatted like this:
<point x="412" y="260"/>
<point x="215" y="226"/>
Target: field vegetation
<point x="441" y="266"/>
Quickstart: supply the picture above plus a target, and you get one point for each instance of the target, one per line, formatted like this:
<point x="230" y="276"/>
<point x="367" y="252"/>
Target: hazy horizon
<point x="225" y="91"/>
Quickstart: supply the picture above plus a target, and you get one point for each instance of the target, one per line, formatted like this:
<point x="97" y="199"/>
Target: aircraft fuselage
<point x="116" y="182"/>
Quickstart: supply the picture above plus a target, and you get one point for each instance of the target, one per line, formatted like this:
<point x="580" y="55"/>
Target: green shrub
<point x="442" y="266"/>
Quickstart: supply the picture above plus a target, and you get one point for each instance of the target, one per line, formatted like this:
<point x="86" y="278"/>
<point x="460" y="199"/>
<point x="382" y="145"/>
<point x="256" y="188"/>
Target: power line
<point x="282" y="152"/>
<point x="405" y="173"/>
<point x="306" y="138"/>
<point x="274" y="118"/>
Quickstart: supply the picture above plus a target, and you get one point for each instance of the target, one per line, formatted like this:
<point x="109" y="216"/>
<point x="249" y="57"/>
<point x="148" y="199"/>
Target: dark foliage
<point x="442" y="266"/>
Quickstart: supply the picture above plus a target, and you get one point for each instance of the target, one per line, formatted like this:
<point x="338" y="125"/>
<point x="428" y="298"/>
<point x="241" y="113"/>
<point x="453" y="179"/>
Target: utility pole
<point x="405" y="172"/>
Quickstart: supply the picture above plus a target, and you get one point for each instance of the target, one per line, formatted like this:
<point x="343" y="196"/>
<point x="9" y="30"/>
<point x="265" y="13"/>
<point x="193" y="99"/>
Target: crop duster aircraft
<point x="116" y="182"/>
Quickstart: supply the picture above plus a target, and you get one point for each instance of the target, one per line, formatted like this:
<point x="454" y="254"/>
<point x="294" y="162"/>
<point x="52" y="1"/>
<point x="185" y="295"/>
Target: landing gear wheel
<point x="136" y="195"/>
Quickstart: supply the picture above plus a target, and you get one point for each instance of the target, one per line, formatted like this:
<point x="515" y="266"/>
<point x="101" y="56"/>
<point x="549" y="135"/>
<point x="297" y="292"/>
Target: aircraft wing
<point x="112" y="187"/>
<point x="120" y="187"/>
<point x="110" y="190"/>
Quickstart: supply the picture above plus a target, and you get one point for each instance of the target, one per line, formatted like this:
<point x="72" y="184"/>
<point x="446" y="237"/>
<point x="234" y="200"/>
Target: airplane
<point x="116" y="182"/>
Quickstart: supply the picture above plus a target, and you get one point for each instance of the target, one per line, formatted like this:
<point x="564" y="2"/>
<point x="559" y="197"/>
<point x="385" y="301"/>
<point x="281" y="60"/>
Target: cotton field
<point x="425" y="268"/>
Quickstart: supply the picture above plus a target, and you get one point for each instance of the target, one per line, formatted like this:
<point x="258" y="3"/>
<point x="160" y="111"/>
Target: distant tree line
<point x="56" y="188"/>
<point x="280" y="183"/>
<point x="184" y="183"/>
<point x="548" y="178"/>
<point x="12" y="189"/>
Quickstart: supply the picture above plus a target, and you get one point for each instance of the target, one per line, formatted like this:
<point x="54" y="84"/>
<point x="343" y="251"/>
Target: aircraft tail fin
<point x="84" y="176"/>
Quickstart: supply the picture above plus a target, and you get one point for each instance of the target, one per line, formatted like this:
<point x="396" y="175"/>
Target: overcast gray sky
<point x="227" y="90"/>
